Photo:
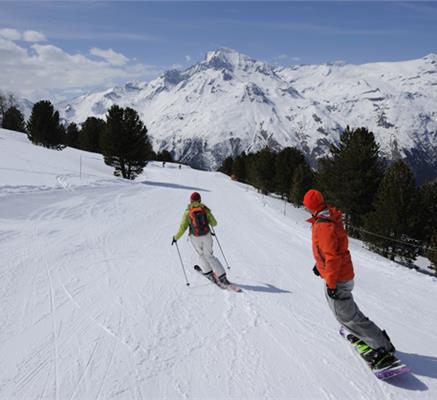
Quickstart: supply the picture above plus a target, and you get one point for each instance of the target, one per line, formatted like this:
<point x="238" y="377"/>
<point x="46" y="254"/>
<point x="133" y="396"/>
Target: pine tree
<point x="72" y="135"/>
<point x="428" y="221"/>
<point x="44" y="128"/>
<point x="428" y="211"/>
<point x="303" y="180"/>
<point x="3" y="107"/>
<point x="91" y="134"/>
<point x="7" y="100"/>
<point x="165" y="156"/>
<point x="349" y="177"/>
<point x="432" y="252"/>
<point x="263" y="166"/>
<point x="125" y="143"/>
<point x="13" y="119"/>
<point x="395" y="221"/>
<point x="226" y="166"/>
<point x="286" y="162"/>
<point x="239" y="167"/>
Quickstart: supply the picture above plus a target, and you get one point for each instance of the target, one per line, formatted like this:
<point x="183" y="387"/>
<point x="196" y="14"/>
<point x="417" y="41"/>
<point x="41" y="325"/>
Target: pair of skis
<point x="395" y="368"/>
<point x="231" y="286"/>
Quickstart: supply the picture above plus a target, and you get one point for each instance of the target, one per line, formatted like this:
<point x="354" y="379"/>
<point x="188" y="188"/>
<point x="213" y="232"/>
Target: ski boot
<point x="223" y="280"/>
<point x="211" y="276"/>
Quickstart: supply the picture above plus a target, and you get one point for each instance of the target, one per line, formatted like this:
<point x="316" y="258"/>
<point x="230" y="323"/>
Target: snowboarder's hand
<point x="316" y="271"/>
<point x="332" y="293"/>
<point x="173" y="241"/>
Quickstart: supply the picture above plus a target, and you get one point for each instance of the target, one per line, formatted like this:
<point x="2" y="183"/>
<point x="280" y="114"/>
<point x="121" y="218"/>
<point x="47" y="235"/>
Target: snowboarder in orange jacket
<point x="334" y="265"/>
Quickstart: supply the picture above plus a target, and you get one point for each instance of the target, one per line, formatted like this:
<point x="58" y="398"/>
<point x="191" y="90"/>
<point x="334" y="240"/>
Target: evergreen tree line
<point x="381" y="202"/>
<point x="286" y="172"/>
<point x="122" y="139"/>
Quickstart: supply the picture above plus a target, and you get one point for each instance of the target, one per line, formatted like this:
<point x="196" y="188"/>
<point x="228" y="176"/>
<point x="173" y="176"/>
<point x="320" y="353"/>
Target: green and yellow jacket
<point x="185" y="223"/>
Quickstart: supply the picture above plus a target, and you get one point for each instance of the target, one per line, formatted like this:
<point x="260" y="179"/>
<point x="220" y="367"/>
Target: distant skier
<point x="334" y="265"/>
<point x="198" y="217"/>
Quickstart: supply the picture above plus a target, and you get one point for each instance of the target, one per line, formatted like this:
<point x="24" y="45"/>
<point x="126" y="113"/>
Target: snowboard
<point x="395" y="368"/>
<point x="232" y="287"/>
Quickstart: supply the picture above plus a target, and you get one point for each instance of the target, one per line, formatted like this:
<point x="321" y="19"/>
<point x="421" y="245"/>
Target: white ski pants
<point x="207" y="260"/>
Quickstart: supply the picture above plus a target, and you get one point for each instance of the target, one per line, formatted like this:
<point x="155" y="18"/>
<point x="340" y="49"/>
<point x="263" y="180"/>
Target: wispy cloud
<point x="10" y="34"/>
<point x="34" y="36"/>
<point x="282" y="57"/>
<point x="111" y="56"/>
<point x="202" y="24"/>
<point x="285" y="58"/>
<point x="426" y="9"/>
<point x="27" y="36"/>
<point x="317" y="28"/>
<point x="33" y="69"/>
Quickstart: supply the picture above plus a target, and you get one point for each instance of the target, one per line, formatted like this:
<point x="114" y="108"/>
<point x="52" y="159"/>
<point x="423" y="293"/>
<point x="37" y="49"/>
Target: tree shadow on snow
<point x="173" y="186"/>
<point x="420" y="365"/>
<point x="265" y="288"/>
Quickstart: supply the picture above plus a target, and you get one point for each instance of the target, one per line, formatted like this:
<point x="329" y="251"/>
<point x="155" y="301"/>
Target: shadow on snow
<point x="267" y="288"/>
<point x="173" y="186"/>
<point x="420" y="365"/>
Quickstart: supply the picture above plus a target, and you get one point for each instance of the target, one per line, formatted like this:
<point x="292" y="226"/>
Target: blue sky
<point x="138" y="40"/>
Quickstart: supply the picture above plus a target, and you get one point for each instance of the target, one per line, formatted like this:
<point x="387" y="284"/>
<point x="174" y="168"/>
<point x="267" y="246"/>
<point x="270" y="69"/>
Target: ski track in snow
<point x="94" y="304"/>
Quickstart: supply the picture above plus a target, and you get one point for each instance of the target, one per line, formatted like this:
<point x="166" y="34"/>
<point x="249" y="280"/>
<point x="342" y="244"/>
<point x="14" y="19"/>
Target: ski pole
<point x="223" y="254"/>
<point x="182" y="264"/>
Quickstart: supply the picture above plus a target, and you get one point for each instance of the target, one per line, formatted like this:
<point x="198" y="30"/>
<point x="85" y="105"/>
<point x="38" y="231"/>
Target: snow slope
<point x="94" y="304"/>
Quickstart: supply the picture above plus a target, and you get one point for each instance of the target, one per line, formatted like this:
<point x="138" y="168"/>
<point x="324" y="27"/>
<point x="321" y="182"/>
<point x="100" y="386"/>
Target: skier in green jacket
<point x="198" y="218"/>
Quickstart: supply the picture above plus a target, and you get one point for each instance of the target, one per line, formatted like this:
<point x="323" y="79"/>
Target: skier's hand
<point x="332" y="293"/>
<point x="316" y="271"/>
<point x="173" y="241"/>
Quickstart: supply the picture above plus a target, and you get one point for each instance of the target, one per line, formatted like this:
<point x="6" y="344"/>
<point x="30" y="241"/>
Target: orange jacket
<point x="330" y="247"/>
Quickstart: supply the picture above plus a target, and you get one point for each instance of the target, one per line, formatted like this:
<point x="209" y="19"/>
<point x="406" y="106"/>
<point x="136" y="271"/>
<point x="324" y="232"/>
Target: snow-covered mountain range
<point x="230" y="102"/>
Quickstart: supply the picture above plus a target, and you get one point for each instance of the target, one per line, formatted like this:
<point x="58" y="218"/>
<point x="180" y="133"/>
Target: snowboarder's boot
<point x="355" y="340"/>
<point x="352" y="338"/>
<point x="392" y="348"/>
<point x="379" y="358"/>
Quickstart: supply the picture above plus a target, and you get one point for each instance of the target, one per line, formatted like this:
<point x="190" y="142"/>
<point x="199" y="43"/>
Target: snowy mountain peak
<point x="431" y="57"/>
<point x="226" y="58"/>
<point x="229" y="103"/>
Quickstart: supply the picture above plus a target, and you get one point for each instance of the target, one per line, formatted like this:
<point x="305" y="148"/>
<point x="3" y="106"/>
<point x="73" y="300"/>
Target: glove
<point x="316" y="271"/>
<point x="173" y="241"/>
<point x="332" y="293"/>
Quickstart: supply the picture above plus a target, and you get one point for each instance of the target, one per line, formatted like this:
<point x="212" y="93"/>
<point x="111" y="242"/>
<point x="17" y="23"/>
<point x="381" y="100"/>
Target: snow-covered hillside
<point x="94" y="303"/>
<point x="230" y="102"/>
